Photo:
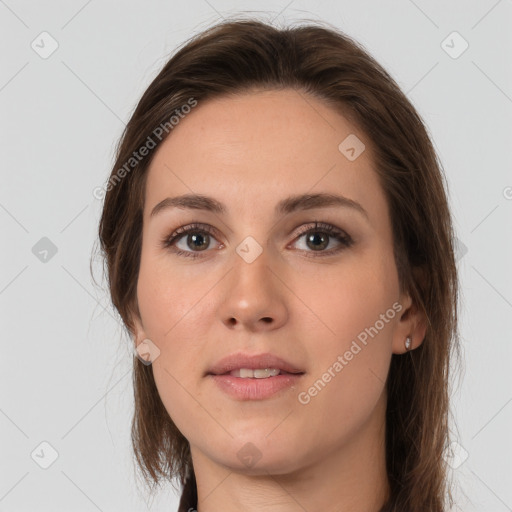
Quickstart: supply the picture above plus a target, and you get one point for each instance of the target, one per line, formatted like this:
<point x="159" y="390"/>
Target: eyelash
<point x="319" y="227"/>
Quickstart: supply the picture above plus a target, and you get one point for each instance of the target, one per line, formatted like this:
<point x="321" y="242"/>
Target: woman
<point x="279" y="246"/>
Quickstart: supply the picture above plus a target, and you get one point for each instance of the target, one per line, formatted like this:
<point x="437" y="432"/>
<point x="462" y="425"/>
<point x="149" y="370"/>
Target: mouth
<point x="254" y="377"/>
<point x="257" y="373"/>
<point x="259" y="366"/>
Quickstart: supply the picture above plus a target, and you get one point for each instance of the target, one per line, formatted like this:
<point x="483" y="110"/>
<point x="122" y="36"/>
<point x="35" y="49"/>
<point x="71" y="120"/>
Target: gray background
<point x="65" y="364"/>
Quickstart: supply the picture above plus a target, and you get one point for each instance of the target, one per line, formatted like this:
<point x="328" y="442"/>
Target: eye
<point x="318" y="237"/>
<point x="198" y="236"/>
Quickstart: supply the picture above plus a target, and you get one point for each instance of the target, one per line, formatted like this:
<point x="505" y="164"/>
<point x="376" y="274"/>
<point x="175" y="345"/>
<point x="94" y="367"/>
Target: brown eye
<point x="194" y="239"/>
<point x="317" y="241"/>
<point x="201" y="241"/>
<point x="319" y="237"/>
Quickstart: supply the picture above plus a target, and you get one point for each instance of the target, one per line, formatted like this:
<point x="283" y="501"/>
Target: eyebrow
<point x="286" y="206"/>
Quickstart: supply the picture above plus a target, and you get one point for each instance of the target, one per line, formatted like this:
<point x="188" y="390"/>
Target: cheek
<point x="352" y="298"/>
<point x="171" y="312"/>
<point x="165" y="297"/>
<point x="178" y="391"/>
<point x="350" y="360"/>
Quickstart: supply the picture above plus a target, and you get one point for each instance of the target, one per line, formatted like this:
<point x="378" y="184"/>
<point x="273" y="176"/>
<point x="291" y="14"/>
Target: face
<point x="255" y="278"/>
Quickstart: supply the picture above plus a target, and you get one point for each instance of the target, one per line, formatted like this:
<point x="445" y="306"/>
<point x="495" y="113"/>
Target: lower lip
<point x="255" y="389"/>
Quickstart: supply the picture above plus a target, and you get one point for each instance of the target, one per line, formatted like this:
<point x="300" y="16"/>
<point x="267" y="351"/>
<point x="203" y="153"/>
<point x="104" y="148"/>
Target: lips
<point x="244" y="377"/>
<point x="239" y="361"/>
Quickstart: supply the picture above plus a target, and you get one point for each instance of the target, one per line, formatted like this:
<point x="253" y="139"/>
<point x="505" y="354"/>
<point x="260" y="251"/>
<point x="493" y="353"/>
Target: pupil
<point x="196" y="238"/>
<point x="322" y="239"/>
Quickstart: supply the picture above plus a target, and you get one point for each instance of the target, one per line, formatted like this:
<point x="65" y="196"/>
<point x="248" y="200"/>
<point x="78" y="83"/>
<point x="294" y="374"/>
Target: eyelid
<point x="169" y="241"/>
<point x="322" y="227"/>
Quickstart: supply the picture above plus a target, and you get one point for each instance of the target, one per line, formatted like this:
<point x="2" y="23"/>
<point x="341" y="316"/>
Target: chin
<point x="260" y="451"/>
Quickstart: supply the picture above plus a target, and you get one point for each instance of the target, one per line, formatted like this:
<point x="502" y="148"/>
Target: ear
<point x="145" y="350"/>
<point x="412" y="322"/>
<point x="136" y="329"/>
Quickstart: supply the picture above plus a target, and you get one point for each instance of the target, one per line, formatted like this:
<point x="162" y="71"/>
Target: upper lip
<point x="255" y="361"/>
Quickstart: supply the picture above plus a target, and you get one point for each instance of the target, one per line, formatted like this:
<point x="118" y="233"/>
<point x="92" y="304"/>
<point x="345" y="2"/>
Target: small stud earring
<point x="408" y="342"/>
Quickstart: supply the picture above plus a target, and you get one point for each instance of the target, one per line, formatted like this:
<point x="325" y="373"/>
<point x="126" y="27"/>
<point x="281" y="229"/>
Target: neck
<point x="350" y="478"/>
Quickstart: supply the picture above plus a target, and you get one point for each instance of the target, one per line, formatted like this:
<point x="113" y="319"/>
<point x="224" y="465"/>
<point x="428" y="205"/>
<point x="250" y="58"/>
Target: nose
<point x="253" y="296"/>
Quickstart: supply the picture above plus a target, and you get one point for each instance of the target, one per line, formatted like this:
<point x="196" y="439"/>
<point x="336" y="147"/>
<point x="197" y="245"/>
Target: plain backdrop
<point x="71" y="73"/>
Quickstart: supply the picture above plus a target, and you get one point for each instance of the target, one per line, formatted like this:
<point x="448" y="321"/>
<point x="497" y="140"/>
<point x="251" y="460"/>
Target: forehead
<point x="250" y="149"/>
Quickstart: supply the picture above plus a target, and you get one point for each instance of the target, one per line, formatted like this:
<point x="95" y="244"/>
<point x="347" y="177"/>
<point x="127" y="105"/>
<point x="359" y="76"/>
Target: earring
<point x="408" y="342"/>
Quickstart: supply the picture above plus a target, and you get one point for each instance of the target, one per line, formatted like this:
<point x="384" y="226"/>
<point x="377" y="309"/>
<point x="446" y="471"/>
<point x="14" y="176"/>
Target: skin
<point x="250" y="152"/>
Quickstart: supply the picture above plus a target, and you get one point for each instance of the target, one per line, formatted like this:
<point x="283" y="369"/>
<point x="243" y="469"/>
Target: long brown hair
<point x="238" y="56"/>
